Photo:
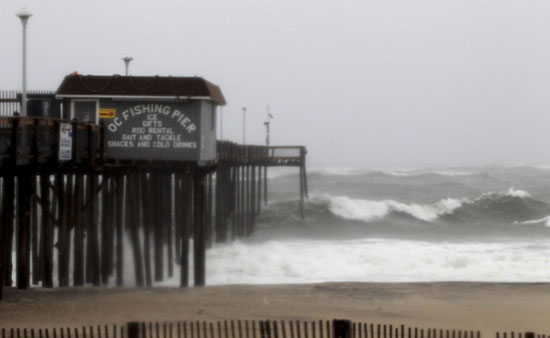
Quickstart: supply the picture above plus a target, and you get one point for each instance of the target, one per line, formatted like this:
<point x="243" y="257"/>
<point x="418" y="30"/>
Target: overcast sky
<point x="372" y="83"/>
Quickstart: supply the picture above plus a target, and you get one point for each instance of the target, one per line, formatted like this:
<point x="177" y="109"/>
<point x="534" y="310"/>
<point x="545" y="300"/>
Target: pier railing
<point x="254" y="329"/>
<point x="35" y="141"/>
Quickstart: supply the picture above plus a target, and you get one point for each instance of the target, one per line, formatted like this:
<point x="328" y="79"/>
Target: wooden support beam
<point x="199" y="247"/>
<point x="133" y="226"/>
<point x="78" y="249"/>
<point x="233" y="200"/>
<point x="187" y="193"/>
<point x="259" y="195"/>
<point x="69" y="225"/>
<point x="220" y="205"/>
<point x="302" y="192"/>
<point x="244" y="223"/>
<point x="209" y="233"/>
<point x="106" y="252"/>
<point x="63" y="237"/>
<point x="265" y="185"/>
<point x="158" y="226"/>
<point x="119" y="205"/>
<point x="148" y="222"/>
<point x="95" y="260"/>
<point x="169" y="223"/>
<point x="47" y="233"/>
<point x="8" y="206"/>
<point x="23" y="230"/>
<point x="8" y="198"/>
<point x="252" y="199"/>
<point x="36" y="271"/>
<point x="247" y="202"/>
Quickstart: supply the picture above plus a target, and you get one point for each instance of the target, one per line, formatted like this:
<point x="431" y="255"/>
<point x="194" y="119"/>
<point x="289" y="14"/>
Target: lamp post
<point x="244" y="125"/>
<point x="267" y="123"/>
<point x="24" y="15"/>
<point x="127" y="60"/>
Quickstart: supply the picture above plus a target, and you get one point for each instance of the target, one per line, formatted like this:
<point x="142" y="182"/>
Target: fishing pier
<point x="111" y="161"/>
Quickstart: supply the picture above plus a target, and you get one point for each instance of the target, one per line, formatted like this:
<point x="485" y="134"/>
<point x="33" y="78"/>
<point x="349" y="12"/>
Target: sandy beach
<point x="488" y="307"/>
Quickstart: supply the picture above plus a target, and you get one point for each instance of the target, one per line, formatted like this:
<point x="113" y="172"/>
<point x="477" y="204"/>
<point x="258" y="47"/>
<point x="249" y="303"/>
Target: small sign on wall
<point x="107" y="113"/>
<point x="65" y="141"/>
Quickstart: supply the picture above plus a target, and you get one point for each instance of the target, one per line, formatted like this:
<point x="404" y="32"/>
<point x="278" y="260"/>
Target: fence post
<point x="341" y="328"/>
<point x="529" y="334"/>
<point x="133" y="330"/>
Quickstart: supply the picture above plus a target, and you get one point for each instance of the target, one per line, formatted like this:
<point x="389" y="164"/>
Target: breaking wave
<point x="511" y="206"/>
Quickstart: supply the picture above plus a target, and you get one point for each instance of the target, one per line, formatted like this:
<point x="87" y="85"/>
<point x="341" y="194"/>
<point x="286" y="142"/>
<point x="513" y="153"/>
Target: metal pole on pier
<point x="244" y="125"/>
<point x="127" y="60"/>
<point x="24" y="15"/>
<point x="267" y="123"/>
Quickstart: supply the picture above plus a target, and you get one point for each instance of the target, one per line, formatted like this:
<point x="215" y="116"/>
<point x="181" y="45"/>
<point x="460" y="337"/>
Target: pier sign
<point x="65" y="141"/>
<point x="107" y="113"/>
<point x="153" y="131"/>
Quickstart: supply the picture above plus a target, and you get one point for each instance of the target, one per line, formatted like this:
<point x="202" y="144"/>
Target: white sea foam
<point x="336" y="171"/>
<point x="517" y="193"/>
<point x="375" y="260"/>
<point x="545" y="220"/>
<point x="367" y="210"/>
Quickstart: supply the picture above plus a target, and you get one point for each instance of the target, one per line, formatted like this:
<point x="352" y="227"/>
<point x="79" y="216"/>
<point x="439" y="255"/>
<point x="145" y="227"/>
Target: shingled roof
<point x="75" y="85"/>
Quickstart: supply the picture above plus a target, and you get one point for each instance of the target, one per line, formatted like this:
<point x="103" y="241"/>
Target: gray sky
<point x="370" y="83"/>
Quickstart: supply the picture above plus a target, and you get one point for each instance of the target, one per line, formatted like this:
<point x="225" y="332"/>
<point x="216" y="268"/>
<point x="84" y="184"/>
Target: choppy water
<point x="459" y="224"/>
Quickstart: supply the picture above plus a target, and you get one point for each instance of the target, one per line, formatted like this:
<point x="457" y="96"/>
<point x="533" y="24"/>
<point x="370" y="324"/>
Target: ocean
<point x="415" y="225"/>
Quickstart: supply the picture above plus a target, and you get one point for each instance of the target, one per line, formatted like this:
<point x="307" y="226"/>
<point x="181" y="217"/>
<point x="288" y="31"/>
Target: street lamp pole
<point x="24" y="15"/>
<point x="127" y="60"/>
<point x="244" y="125"/>
<point x="267" y="123"/>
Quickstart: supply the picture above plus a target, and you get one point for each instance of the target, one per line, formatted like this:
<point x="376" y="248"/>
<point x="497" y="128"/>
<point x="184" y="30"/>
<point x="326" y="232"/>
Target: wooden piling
<point x="218" y="212"/>
<point x="169" y="223"/>
<point x="78" y="249"/>
<point x="69" y="221"/>
<point x="242" y="212"/>
<point x="252" y="211"/>
<point x="23" y="230"/>
<point x="47" y="232"/>
<point x="148" y="222"/>
<point x="187" y="221"/>
<point x="92" y="230"/>
<point x="199" y="248"/>
<point x="265" y="185"/>
<point x="119" y="205"/>
<point x="105" y="229"/>
<point x="62" y="238"/>
<point x="259" y="195"/>
<point x="133" y="226"/>
<point x="158" y="229"/>
<point x="34" y="233"/>
<point x="7" y="225"/>
<point x="208" y="214"/>
<point x="233" y="199"/>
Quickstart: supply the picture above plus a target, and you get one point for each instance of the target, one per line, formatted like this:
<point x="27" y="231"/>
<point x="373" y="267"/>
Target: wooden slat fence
<point x="520" y="335"/>
<point x="247" y="329"/>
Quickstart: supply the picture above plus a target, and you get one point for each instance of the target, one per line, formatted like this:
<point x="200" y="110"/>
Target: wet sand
<point x="487" y="307"/>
